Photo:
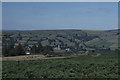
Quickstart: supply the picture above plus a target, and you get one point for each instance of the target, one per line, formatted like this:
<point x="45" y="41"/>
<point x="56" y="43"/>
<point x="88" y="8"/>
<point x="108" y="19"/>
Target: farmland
<point x="60" y="54"/>
<point x="72" y="39"/>
<point x="87" y="66"/>
<point x="58" y="42"/>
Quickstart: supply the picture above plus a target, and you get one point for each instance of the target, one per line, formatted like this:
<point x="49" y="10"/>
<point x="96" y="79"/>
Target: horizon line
<point x="54" y="29"/>
<point x="60" y="0"/>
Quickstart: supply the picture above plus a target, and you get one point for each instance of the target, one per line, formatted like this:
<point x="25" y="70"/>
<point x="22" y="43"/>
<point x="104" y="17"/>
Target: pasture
<point x="103" y="66"/>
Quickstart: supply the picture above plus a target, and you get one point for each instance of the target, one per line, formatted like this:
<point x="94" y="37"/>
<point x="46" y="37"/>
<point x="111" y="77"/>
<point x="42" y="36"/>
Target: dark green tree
<point x="19" y="50"/>
<point x="8" y="50"/>
<point x="34" y="49"/>
<point x="5" y="51"/>
<point x="48" y="50"/>
<point x="39" y="48"/>
<point x="103" y="46"/>
<point x="12" y="52"/>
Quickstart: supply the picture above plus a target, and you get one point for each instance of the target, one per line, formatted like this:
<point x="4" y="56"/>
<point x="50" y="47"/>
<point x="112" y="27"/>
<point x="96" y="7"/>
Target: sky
<point x="59" y="15"/>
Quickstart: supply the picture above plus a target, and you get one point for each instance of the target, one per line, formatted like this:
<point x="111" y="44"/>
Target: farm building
<point x="27" y="52"/>
<point x="67" y="49"/>
<point x="57" y="48"/>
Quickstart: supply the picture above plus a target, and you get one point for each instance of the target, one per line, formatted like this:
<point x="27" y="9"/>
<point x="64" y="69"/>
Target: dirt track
<point x="37" y="57"/>
<point x="96" y="55"/>
<point x="29" y="57"/>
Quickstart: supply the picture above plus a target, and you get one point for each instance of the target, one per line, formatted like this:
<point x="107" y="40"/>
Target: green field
<point x="64" y="38"/>
<point x="103" y="66"/>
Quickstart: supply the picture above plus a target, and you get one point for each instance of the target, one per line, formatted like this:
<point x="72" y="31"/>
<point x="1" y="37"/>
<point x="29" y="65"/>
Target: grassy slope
<point x="104" y="66"/>
<point x="107" y="38"/>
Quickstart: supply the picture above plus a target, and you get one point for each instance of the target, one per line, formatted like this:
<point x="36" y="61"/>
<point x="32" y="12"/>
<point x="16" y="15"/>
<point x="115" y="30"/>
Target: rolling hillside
<point x="65" y="38"/>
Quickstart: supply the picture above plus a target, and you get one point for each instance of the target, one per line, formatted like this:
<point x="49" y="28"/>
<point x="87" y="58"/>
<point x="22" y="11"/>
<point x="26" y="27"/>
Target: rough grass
<point x="103" y="66"/>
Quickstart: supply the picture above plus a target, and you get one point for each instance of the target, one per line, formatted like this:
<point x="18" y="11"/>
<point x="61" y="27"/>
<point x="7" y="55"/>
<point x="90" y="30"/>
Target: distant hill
<point x="64" y="38"/>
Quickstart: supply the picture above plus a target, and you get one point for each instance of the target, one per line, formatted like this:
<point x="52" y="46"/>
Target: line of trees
<point x="10" y="50"/>
<point x="41" y="49"/>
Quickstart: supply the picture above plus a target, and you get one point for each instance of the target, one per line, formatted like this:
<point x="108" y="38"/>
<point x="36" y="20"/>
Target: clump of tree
<point x="10" y="50"/>
<point x="41" y="50"/>
<point x="19" y="50"/>
<point x="37" y="49"/>
<point x="47" y="50"/>
<point x="6" y="50"/>
<point x="34" y="49"/>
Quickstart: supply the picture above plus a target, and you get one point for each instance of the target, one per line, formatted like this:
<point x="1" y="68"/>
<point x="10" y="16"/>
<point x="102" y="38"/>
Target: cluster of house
<point x="55" y="48"/>
<point x="58" y="48"/>
<point x="28" y="48"/>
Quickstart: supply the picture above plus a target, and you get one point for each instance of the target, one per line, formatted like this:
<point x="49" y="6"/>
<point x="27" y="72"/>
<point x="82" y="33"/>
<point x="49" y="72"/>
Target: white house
<point x="27" y="52"/>
<point x="67" y="49"/>
<point x="57" y="48"/>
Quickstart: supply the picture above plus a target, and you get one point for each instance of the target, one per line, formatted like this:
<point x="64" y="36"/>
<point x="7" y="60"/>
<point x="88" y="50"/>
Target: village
<point x="57" y="49"/>
<point x="57" y="41"/>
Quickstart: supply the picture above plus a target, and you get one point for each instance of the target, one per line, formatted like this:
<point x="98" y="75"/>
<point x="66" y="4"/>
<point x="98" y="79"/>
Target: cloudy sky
<point x="59" y="15"/>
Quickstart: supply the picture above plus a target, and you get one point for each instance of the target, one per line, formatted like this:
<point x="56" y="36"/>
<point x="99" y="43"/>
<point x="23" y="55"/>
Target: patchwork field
<point x="64" y="38"/>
